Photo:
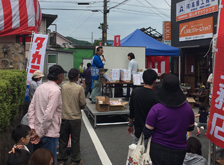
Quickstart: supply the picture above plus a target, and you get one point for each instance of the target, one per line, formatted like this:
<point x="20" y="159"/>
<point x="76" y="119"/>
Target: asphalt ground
<point x="115" y="141"/>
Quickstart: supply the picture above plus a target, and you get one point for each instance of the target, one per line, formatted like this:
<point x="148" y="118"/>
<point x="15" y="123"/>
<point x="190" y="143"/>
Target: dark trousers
<point x="68" y="127"/>
<point x="88" y="88"/>
<point x="162" y="155"/>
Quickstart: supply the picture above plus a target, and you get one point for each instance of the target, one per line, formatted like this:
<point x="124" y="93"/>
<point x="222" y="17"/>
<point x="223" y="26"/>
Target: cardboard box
<point x="102" y="103"/>
<point x="191" y="101"/>
<point x="118" y="107"/>
<point x="101" y="73"/>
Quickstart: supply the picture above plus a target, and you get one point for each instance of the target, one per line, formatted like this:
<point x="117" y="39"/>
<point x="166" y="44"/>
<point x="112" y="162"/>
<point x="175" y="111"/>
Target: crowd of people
<point x="54" y="116"/>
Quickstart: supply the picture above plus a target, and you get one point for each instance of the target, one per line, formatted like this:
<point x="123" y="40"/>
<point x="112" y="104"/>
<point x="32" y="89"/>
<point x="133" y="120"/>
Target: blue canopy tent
<point x="153" y="47"/>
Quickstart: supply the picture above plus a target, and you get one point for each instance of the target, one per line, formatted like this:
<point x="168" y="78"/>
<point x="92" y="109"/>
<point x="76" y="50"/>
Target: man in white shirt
<point x="133" y="67"/>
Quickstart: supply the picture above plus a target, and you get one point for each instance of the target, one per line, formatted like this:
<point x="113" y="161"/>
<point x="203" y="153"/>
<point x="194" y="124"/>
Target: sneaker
<point x="198" y="133"/>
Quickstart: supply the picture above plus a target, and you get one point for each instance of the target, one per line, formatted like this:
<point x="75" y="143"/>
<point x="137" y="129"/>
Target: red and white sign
<point x="167" y="32"/>
<point x="161" y="63"/>
<point x="195" y="30"/>
<point x="117" y="40"/>
<point x="193" y="8"/>
<point x="215" y="131"/>
<point x="37" y="55"/>
<point x="19" y="17"/>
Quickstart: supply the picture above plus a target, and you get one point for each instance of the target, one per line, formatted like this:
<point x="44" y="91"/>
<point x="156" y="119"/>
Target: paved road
<point x="115" y="141"/>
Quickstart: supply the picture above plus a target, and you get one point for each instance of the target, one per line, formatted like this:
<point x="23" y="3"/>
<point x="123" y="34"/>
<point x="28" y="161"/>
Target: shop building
<point x="193" y="24"/>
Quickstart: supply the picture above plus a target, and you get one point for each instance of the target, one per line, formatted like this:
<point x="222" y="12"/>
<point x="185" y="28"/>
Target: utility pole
<point x="104" y="28"/>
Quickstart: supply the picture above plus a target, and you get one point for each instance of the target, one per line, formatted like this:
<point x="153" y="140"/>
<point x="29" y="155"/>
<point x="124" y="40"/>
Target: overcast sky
<point x="122" y="20"/>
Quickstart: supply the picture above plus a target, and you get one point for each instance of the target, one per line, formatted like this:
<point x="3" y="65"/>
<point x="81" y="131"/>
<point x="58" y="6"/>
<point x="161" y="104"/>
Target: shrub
<point x="12" y="89"/>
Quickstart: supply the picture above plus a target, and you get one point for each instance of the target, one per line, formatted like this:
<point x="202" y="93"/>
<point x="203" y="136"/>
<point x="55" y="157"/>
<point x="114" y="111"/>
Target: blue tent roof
<point x="153" y="47"/>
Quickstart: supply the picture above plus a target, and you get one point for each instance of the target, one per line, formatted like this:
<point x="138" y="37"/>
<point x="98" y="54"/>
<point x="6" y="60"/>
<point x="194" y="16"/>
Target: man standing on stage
<point x="95" y="65"/>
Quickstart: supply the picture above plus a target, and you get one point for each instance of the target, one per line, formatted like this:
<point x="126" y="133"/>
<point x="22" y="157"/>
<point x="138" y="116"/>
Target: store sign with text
<point x="196" y="30"/>
<point x="194" y="8"/>
<point x="167" y="32"/>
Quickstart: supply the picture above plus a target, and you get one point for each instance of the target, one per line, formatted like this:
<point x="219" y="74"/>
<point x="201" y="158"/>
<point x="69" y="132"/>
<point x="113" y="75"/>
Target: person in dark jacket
<point x="141" y="101"/>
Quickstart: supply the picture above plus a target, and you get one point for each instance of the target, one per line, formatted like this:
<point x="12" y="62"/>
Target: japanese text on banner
<point x="37" y="55"/>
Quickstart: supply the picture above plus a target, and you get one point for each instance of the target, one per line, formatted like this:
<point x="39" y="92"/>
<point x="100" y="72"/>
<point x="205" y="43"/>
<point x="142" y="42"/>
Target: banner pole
<point x="179" y="68"/>
<point x="209" y="152"/>
<point x="28" y="60"/>
<point x="213" y="71"/>
<point x="214" y="154"/>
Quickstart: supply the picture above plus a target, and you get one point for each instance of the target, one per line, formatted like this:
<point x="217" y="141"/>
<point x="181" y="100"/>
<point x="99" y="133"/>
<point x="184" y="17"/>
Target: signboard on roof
<point x="194" y="8"/>
<point x="195" y="30"/>
<point x="167" y="32"/>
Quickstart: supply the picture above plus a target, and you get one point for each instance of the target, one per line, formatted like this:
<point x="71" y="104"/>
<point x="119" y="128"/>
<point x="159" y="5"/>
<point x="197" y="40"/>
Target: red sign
<point x="117" y="40"/>
<point x="215" y="131"/>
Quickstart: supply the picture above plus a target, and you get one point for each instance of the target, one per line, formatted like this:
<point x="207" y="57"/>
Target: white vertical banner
<point x="37" y="55"/>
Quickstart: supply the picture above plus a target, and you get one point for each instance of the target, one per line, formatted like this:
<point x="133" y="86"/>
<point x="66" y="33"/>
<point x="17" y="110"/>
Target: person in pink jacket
<point x="44" y="114"/>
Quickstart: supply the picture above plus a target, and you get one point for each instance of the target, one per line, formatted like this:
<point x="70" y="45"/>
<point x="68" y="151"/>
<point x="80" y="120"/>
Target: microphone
<point x="103" y="58"/>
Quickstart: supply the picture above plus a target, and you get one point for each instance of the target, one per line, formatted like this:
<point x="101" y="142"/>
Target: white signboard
<point x="136" y="79"/>
<point x="115" y="74"/>
<point x="194" y="8"/>
<point x="37" y="55"/>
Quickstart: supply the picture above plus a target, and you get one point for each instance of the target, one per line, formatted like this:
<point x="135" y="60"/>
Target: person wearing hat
<point x="44" y="113"/>
<point x="168" y="122"/>
<point x="37" y="76"/>
<point x="73" y="98"/>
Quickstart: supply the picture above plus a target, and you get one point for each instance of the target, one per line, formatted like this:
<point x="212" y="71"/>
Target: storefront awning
<point x="18" y="17"/>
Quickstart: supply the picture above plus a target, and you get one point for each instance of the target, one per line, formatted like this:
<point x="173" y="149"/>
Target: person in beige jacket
<point x="73" y="100"/>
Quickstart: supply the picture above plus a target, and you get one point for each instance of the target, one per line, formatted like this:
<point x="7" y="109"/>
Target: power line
<point x="135" y="13"/>
<point x="65" y="9"/>
<point x="155" y="9"/>
<point x="144" y="6"/>
<point x="118" y="4"/>
<point x="167" y="3"/>
<point x="81" y="24"/>
<point x="75" y="21"/>
<point x="67" y="1"/>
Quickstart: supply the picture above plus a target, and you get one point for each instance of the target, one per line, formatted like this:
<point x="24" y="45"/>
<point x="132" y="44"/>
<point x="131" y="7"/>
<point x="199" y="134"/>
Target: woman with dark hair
<point x="42" y="156"/>
<point x="168" y="123"/>
<point x="37" y="76"/>
<point x="193" y="155"/>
